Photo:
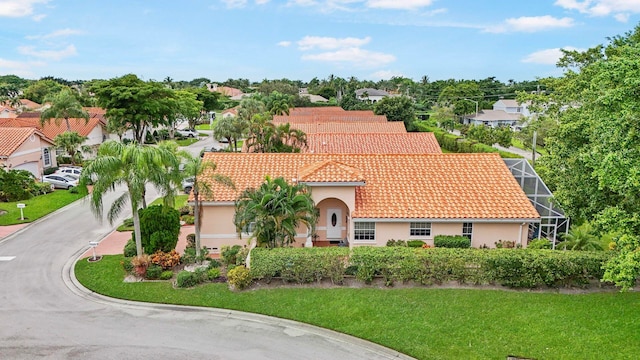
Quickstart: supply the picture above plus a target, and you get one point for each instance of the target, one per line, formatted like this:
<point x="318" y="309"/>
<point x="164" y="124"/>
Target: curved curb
<point x="68" y="276"/>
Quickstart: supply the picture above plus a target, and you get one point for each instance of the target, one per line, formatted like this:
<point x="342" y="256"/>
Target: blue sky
<point x="302" y="39"/>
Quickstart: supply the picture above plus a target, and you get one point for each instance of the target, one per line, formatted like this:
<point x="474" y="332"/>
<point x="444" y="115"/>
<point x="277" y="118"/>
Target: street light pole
<point x="476" y="105"/>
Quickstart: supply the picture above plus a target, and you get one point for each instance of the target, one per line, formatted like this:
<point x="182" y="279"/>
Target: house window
<point x="364" y="231"/>
<point x="420" y="229"/>
<point x="248" y="229"/>
<point x="46" y="157"/>
<point x="467" y="230"/>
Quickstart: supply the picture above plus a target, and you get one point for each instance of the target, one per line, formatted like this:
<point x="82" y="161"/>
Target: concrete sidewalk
<point x="114" y="243"/>
<point x="10" y="229"/>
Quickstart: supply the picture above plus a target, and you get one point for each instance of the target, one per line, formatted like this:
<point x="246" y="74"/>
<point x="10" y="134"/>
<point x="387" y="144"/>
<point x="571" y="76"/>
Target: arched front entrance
<point x="333" y="223"/>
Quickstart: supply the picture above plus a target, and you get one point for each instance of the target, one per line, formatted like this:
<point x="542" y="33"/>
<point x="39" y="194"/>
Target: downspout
<point x="520" y="234"/>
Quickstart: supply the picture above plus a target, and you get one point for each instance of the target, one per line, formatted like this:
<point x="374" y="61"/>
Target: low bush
<point x="73" y="190"/>
<point x="50" y="170"/>
<point x="188" y="219"/>
<point x="191" y="240"/>
<point x="189" y="256"/>
<point x="130" y="248"/>
<point x="166" y="260"/>
<point x="185" y="279"/>
<point x="415" y="243"/>
<point x="229" y="254"/>
<point x="166" y="275"/>
<point x="239" y="278"/>
<point x="451" y="241"/>
<point x="126" y="265"/>
<point x="393" y="242"/>
<point x="153" y="272"/>
<point x="213" y="264"/>
<point x="186" y="210"/>
<point x="539" y="244"/>
<point x="299" y="265"/>
<point x="506" y="244"/>
<point x="213" y="273"/>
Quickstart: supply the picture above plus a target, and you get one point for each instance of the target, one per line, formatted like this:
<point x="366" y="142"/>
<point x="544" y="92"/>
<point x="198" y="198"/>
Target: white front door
<point x="334" y="223"/>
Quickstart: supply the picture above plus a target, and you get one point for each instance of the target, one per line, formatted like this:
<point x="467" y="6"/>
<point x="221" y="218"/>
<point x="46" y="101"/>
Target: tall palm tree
<point x="70" y="141"/>
<point x="132" y="165"/>
<point x="581" y="238"/>
<point x="275" y="210"/>
<point x="200" y="170"/>
<point x="64" y="106"/>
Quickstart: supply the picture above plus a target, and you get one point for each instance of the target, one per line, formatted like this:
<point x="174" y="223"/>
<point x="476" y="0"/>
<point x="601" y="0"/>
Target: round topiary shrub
<point x="130" y="248"/>
<point x="213" y="274"/>
<point x="166" y="275"/>
<point x="185" y="279"/>
<point x="159" y="228"/>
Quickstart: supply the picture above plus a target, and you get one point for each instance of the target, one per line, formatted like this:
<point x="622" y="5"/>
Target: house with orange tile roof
<point x="229" y="112"/>
<point x="368" y="199"/>
<point x="26" y="148"/>
<point x="372" y="143"/>
<point x="345" y="117"/>
<point x="94" y="129"/>
<point x="351" y="127"/>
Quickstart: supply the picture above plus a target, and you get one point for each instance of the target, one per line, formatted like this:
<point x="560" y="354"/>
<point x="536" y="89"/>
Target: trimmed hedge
<point x="457" y="144"/>
<point x="299" y="265"/>
<point x="517" y="268"/>
<point x="451" y="241"/>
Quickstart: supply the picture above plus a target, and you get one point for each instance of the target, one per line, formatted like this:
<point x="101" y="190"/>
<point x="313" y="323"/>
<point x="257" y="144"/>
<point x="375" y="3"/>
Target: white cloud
<point x="330" y="43"/>
<point x="48" y="54"/>
<point x="619" y="9"/>
<point x="284" y="43"/>
<point x="547" y="56"/>
<point x="386" y="74"/>
<point x="235" y="3"/>
<point x="39" y="17"/>
<point x="19" y="68"/>
<point x="18" y="8"/>
<point x="398" y="4"/>
<point x="353" y="55"/>
<point x="531" y="24"/>
<point x="57" y="33"/>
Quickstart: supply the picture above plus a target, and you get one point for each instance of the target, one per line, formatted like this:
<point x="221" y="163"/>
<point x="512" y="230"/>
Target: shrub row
<point x="507" y="267"/>
<point x="299" y="265"/>
<point x="454" y="143"/>
<point x="452" y="241"/>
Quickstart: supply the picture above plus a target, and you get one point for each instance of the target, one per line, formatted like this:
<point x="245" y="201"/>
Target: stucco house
<point x="26" y="149"/>
<point x="372" y="95"/>
<point x="505" y="112"/>
<point x="372" y="143"/>
<point x="368" y="199"/>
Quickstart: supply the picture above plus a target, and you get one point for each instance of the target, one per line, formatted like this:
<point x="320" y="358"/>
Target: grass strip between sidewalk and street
<point x="426" y="323"/>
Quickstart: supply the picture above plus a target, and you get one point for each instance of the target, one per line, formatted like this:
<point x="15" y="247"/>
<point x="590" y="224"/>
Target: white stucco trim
<point x="461" y="220"/>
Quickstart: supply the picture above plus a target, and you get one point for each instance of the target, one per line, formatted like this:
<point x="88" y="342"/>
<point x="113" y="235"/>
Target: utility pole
<point x="533" y="147"/>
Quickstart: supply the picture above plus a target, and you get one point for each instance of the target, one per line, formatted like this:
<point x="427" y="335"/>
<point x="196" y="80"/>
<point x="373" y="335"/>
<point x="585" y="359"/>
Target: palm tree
<point x="275" y="210"/>
<point x="581" y="238"/>
<point x="132" y="165"/>
<point x="69" y="141"/>
<point x="200" y="170"/>
<point x="63" y="106"/>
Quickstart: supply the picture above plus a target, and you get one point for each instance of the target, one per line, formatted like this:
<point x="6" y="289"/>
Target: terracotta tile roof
<point x="50" y="130"/>
<point x="329" y="171"/>
<point x="405" y="186"/>
<point x="328" y="118"/>
<point x="372" y="143"/>
<point x="352" y="127"/>
<point x="12" y="137"/>
<point x="327" y="110"/>
<point x="30" y="104"/>
<point x="95" y="110"/>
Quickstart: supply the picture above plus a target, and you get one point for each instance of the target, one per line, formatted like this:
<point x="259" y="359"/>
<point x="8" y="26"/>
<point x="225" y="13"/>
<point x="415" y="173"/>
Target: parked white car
<point x="59" y="181"/>
<point x="72" y="170"/>
<point x="191" y="133"/>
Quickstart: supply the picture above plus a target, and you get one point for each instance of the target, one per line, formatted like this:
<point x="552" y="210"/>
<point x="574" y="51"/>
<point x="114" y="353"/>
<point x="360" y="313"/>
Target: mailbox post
<point x="21" y="206"/>
<point x="93" y="245"/>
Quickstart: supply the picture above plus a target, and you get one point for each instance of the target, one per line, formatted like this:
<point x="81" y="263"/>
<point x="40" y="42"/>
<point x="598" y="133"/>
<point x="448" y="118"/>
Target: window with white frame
<point x="46" y="157"/>
<point x="248" y="229"/>
<point x="467" y="230"/>
<point x="420" y="229"/>
<point x="364" y="231"/>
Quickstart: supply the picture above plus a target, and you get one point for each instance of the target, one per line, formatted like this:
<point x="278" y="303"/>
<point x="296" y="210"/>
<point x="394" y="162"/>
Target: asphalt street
<point x="45" y="313"/>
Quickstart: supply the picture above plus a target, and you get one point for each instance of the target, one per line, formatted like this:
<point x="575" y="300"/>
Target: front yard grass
<point x="421" y="322"/>
<point x="186" y="142"/>
<point x="36" y="207"/>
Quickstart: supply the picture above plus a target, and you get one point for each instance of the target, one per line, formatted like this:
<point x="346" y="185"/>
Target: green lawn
<point x="204" y="127"/>
<point x="421" y="322"/>
<point x="36" y="207"/>
<point x="186" y="142"/>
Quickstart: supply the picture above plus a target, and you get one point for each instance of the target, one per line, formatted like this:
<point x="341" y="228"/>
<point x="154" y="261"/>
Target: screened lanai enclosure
<point x="552" y="218"/>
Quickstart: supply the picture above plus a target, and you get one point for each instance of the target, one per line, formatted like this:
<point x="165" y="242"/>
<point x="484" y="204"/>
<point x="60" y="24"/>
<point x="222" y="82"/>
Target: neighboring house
<point x="351" y="127"/>
<point x="94" y="129"/>
<point x="372" y="143"/>
<point x="226" y="91"/>
<point x="368" y="199"/>
<point x="492" y="118"/>
<point x="229" y="112"/>
<point x="346" y="117"/>
<point x="372" y="95"/>
<point x="26" y="149"/>
<point x="316" y="110"/>
<point x="303" y="92"/>
<point x="512" y="107"/>
<point x="7" y="112"/>
<point x="506" y="112"/>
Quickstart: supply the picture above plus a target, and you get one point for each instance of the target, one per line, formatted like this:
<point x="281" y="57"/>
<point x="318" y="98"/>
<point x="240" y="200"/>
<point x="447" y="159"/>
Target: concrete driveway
<point x="45" y="313"/>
